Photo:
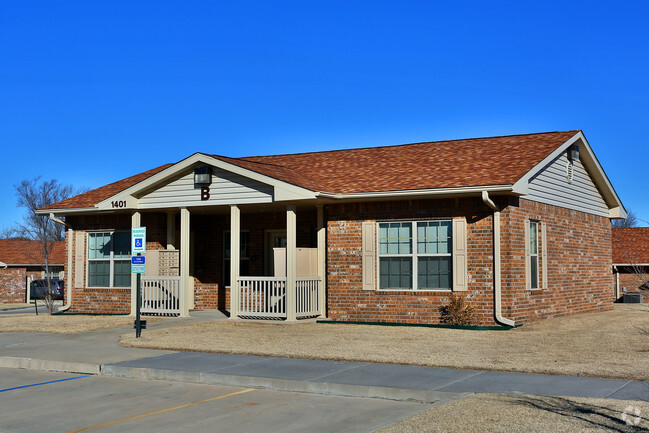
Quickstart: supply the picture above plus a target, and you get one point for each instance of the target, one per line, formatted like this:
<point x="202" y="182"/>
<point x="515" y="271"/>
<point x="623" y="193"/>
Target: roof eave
<point x="431" y="192"/>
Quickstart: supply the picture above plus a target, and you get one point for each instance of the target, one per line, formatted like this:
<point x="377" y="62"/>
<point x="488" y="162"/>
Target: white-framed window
<point x="534" y="254"/>
<point x="109" y="259"/>
<point x="415" y="255"/>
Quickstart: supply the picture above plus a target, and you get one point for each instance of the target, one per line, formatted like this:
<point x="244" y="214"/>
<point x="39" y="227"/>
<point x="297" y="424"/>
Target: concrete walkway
<point x="98" y="352"/>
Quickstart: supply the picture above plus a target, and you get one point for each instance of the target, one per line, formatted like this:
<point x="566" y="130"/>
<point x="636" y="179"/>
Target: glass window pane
<point x="533" y="238"/>
<point x="99" y="273"/>
<point x="122" y="273"/>
<point x="99" y="245"/>
<point x="395" y="273"/>
<point x="121" y="244"/>
<point x="534" y="261"/>
<point x="434" y="273"/>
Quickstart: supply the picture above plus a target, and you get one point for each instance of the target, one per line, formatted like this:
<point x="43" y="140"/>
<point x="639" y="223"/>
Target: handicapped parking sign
<point x="138" y="236"/>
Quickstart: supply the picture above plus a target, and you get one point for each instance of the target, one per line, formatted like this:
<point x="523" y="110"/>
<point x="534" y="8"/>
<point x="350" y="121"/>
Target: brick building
<point x="521" y="224"/>
<point x="631" y="260"/>
<point x="21" y="261"/>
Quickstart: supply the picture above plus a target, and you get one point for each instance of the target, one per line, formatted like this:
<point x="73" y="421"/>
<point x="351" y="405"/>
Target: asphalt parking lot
<point x="33" y="401"/>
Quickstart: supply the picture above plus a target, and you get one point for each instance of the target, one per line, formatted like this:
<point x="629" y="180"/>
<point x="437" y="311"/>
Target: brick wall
<point x="12" y="285"/>
<point x="635" y="280"/>
<point x="579" y="262"/>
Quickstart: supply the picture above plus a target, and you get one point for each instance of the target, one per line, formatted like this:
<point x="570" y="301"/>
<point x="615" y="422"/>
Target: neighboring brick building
<point x="521" y="224"/>
<point x="631" y="261"/>
<point x="22" y="261"/>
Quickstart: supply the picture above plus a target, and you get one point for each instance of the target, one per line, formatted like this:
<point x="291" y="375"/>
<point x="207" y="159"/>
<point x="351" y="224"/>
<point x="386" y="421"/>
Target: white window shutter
<point x="528" y="271"/>
<point x="460" y="280"/>
<point x="369" y="255"/>
<point x="544" y="255"/>
<point x="79" y="259"/>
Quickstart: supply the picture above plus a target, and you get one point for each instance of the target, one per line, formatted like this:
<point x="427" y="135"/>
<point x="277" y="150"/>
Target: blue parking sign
<point x="138" y="237"/>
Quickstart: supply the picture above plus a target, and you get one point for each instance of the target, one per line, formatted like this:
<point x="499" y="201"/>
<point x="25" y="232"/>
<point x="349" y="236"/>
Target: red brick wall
<point x="12" y="285"/>
<point x="579" y="262"/>
<point x="632" y="280"/>
<point x="579" y="259"/>
<point x="97" y="300"/>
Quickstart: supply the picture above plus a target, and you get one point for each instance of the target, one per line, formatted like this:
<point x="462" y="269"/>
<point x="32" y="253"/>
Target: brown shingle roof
<point x="441" y="164"/>
<point x="92" y="197"/>
<point x="430" y="165"/>
<point x="631" y="245"/>
<point x="19" y="252"/>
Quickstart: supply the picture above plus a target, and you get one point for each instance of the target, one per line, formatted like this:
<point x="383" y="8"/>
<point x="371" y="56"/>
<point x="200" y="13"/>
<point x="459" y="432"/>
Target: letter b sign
<point x="205" y="193"/>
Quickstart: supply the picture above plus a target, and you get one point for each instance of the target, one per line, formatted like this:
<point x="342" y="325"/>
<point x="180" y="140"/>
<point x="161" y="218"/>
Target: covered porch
<point x="280" y="274"/>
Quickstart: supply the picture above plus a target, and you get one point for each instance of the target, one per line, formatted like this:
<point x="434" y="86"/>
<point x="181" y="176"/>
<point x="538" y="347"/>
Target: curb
<point x="44" y="365"/>
<point x="343" y="390"/>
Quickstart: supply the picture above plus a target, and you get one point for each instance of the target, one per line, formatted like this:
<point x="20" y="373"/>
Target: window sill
<point x="535" y="291"/>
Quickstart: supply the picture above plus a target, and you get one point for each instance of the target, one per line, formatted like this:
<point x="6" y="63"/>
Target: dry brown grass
<point x="598" y="344"/>
<point x="489" y="413"/>
<point x="61" y="324"/>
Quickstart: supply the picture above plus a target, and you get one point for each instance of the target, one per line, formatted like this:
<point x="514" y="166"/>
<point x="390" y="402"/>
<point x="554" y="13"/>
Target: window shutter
<point x="528" y="272"/>
<point x="544" y="256"/>
<point x="369" y="255"/>
<point x="79" y="259"/>
<point x="460" y="283"/>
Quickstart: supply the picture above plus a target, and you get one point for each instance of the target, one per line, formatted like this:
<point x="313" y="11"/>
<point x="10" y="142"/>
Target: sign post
<point x="138" y="266"/>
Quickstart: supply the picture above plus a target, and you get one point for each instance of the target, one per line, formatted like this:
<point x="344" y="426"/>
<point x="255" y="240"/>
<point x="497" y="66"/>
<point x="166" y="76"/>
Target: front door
<point x="274" y="239"/>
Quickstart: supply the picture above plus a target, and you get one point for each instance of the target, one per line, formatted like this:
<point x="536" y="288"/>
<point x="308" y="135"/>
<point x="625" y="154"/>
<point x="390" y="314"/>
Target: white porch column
<point x="171" y="231"/>
<point x="235" y="254"/>
<point x="184" y="262"/>
<point x="322" y="271"/>
<point x="136" y="220"/>
<point x="291" y="264"/>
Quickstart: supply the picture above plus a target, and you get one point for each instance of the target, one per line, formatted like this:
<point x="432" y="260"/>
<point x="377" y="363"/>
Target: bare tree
<point x="33" y="195"/>
<point x="631" y="220"/>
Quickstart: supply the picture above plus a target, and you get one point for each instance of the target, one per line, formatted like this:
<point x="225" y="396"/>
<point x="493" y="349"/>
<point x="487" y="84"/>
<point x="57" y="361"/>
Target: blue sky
<point x="92" y="92"/>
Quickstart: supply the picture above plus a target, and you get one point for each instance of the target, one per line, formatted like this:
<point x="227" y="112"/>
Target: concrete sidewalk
<point x="98" y="352"/>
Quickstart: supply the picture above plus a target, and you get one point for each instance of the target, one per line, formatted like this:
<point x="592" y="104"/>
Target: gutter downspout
<point x="68" y="288"/>
<point x="497" y="284"/>
<point x="617" y="282"/>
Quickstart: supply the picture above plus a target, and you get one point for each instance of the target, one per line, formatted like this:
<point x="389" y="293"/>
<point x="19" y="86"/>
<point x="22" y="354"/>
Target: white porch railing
<point x="265" y="297"/>
<point x="160" y="295"/>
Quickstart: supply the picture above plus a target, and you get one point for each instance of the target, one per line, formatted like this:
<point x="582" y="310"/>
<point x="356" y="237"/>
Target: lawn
<point x="606" y="344"/>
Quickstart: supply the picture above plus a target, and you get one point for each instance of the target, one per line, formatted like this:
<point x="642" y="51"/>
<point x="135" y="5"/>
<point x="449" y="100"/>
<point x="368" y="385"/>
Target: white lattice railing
<point x="160" y="295"/>
<point x="265" y="297"/>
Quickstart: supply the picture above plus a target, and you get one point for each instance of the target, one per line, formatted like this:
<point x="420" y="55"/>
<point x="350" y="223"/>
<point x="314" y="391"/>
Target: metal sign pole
<point x="138" y="302"/>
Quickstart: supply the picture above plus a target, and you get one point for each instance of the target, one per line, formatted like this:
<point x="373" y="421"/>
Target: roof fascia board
<point x="30" y="264"/>
<point x="630" y="264"/>
<point x="418" y="193"/>
<point x="592" y="165"/>
<point x="595" y="169"/>
<point x="65" y="211"/>
<point x="521" y="184"/>
<point x="283" y="190"/>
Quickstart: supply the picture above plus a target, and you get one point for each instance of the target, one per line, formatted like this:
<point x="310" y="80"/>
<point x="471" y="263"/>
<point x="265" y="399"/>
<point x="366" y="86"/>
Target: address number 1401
<point x="118" y="203"/>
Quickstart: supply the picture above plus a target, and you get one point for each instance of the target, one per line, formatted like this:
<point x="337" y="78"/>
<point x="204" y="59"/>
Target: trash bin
<point x="632" y="298"/>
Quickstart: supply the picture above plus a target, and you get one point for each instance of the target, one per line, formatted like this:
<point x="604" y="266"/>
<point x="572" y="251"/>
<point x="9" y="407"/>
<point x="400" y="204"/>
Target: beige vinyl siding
<point x="551" y="186"/>
<point x="226" y="189"/>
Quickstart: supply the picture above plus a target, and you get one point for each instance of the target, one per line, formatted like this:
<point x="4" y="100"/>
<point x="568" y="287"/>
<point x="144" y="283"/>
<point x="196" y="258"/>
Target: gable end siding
<point x="551" y="186"/>
<point x="226" y="188"/>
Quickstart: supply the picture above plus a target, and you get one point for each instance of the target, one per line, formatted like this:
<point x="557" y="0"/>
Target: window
<point x="534" y="254"/>
<point x="415" y="255"/>
<point x="109" y="259"/>
<point x="244" y="255"/>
